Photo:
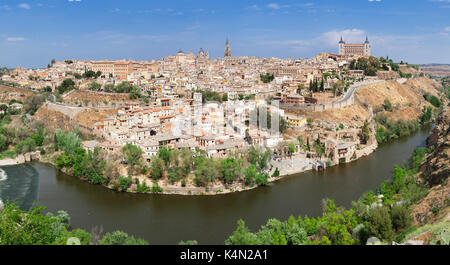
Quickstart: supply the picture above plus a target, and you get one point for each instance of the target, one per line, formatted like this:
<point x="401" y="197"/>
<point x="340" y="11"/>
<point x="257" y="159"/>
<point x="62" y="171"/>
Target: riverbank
<point x="161" y="219"/>
<point x="287" y="167"/>
<point x="21" y="159"/>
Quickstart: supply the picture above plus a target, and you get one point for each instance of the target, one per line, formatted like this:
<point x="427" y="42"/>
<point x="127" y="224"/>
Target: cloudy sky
<point x="35" y="31"/>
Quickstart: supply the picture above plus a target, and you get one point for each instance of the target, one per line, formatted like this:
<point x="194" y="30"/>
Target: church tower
<point x="227" y="50"/>
<point x="341" y="47"/>
<point x="367" y="48"/>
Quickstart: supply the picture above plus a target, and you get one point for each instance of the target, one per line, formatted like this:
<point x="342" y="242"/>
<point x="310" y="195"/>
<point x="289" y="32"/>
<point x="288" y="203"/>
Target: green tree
<point x="231" y="170"/>
<point x="401" y="218"/>
<point x="95" y="86"/>
<point x="379" y="224"/>
<point x="250" y="174"/>
<point x="120" y="238"/>
<point x="67" y="85"/>
<point x="242" y="236"/>
<point x="132" y="154"/>
<point x="292" y="148"/>
<point x="157" y="168"/>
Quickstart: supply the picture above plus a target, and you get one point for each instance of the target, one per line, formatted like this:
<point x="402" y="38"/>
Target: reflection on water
<point x="162" y="219"/>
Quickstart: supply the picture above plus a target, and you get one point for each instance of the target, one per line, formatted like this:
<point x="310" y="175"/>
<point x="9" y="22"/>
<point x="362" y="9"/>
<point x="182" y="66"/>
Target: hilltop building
<point x="355" y="49"/>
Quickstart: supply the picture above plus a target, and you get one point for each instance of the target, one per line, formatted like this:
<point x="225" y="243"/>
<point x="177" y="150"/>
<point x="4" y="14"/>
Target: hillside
<point x="83" y="97"/>
<point x="432" y="213"/>
<point x="407" y="100"/>
<point x="8" y="93"/>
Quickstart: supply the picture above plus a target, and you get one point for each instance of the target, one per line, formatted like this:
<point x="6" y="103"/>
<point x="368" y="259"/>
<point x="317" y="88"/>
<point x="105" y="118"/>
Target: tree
<point x="338" y="88"/>
<point x="95" y="86"/>
<point x="401" y="218"/>
<point x="426" y="115"/>
<point x="188" y="242"/>
<point x="125" y="183"/>
<point x="365" y="133"/>
<point x="39" y="136"/>
<point x="242" y="236"/>
<point x="120" y="238"/>
<point x="3" y="143"/>
<point x="292" y="148"/>
<point x="67" y="141"/>
<point x="33" y="103"/>
<point x="18" y="227"/>
<point x="164" y="154"/>
<point x="300" y="141"/>
<point x="250" y="174"/>
<point x="66" y="85"/>
<point x="206" y="172"/>
<point x="231" y="170"/>
<point x="379" y="224"/>
<point x="267" y="78"/>
<point x="132" y="154"/>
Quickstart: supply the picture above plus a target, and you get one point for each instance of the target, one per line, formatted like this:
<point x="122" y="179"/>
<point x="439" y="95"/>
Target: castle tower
<point x="227" y="50"/>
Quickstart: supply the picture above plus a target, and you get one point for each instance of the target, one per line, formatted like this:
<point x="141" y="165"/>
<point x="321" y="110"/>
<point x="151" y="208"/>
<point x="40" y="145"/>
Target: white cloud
<point x="253" y="7"/>
<point x="24" y="6"/>
<point x="447" y="28"/>
<point x="328" y="39"/>
<point x="74" y="1"/>
<point x="374" y="0"/>
<point x="273" y="6"/>
<point x="5" y="7"/>
<point x="15" y="39"/>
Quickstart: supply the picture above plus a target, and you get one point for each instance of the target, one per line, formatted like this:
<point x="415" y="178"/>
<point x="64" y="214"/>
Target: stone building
<point x="355" y="49"/>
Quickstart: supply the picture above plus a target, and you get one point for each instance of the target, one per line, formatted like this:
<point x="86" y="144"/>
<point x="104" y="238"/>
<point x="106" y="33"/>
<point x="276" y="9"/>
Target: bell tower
<point x="227" y="49"/>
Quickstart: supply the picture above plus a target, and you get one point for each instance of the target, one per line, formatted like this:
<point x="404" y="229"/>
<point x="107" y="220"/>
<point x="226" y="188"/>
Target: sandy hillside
<point x="88" y="118"/>
<point x="54" y="119"/>
<point x="8" y="93"/>
<point x="79" y="96"/>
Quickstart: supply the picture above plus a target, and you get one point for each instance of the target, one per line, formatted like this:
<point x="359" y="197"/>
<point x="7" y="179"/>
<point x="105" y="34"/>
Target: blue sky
<point x="35" y="31"/>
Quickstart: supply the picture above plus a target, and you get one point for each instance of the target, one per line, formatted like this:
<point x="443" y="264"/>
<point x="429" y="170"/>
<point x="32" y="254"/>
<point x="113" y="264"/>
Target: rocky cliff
<point x="434" y="172"/>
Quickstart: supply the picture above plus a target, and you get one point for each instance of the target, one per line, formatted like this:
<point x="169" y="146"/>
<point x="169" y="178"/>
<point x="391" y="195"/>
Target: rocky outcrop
<point x="436" y="168"/>
<point x="435" y="171"/>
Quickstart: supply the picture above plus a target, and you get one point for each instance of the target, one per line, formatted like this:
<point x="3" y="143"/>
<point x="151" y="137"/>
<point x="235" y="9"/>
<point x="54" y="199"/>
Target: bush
<point x="156" y="188"/>
<point x="142" y="188"/>
<point x="401" y="218"/>
<point x="379" y="224"/>
<point x="432" y="99"/>
<point x="388" y="105"/>
<point x="120" y="238"/>
<point x="125" y="183"/>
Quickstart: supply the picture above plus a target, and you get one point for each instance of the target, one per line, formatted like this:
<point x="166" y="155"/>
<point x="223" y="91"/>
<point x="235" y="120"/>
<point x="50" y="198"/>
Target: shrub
<point x="124" y="183"/>
<point x="156" y="188"/>
<point x="388" y="105"/>
<point x="401" y="218"/>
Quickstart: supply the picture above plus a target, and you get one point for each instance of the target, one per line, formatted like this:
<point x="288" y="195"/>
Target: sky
<point x="35" y="31"/>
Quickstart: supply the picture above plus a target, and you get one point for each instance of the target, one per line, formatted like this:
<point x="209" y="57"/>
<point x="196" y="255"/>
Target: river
<point x="167" y="219"/>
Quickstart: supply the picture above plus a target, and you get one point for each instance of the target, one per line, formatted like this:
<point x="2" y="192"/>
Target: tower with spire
<point x="227" y="49"/>
<point x="341" y="47"/>
<point x="367" y="48"/>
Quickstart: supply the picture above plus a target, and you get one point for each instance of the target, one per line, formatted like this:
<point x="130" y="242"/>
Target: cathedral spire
<point x="367" y="40"/>
<point x="342" y="41"/>
<point x="227" y="49"/>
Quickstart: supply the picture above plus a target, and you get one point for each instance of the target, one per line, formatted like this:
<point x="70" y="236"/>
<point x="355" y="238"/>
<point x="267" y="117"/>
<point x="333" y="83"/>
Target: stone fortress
<point x="355" y="49"/>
